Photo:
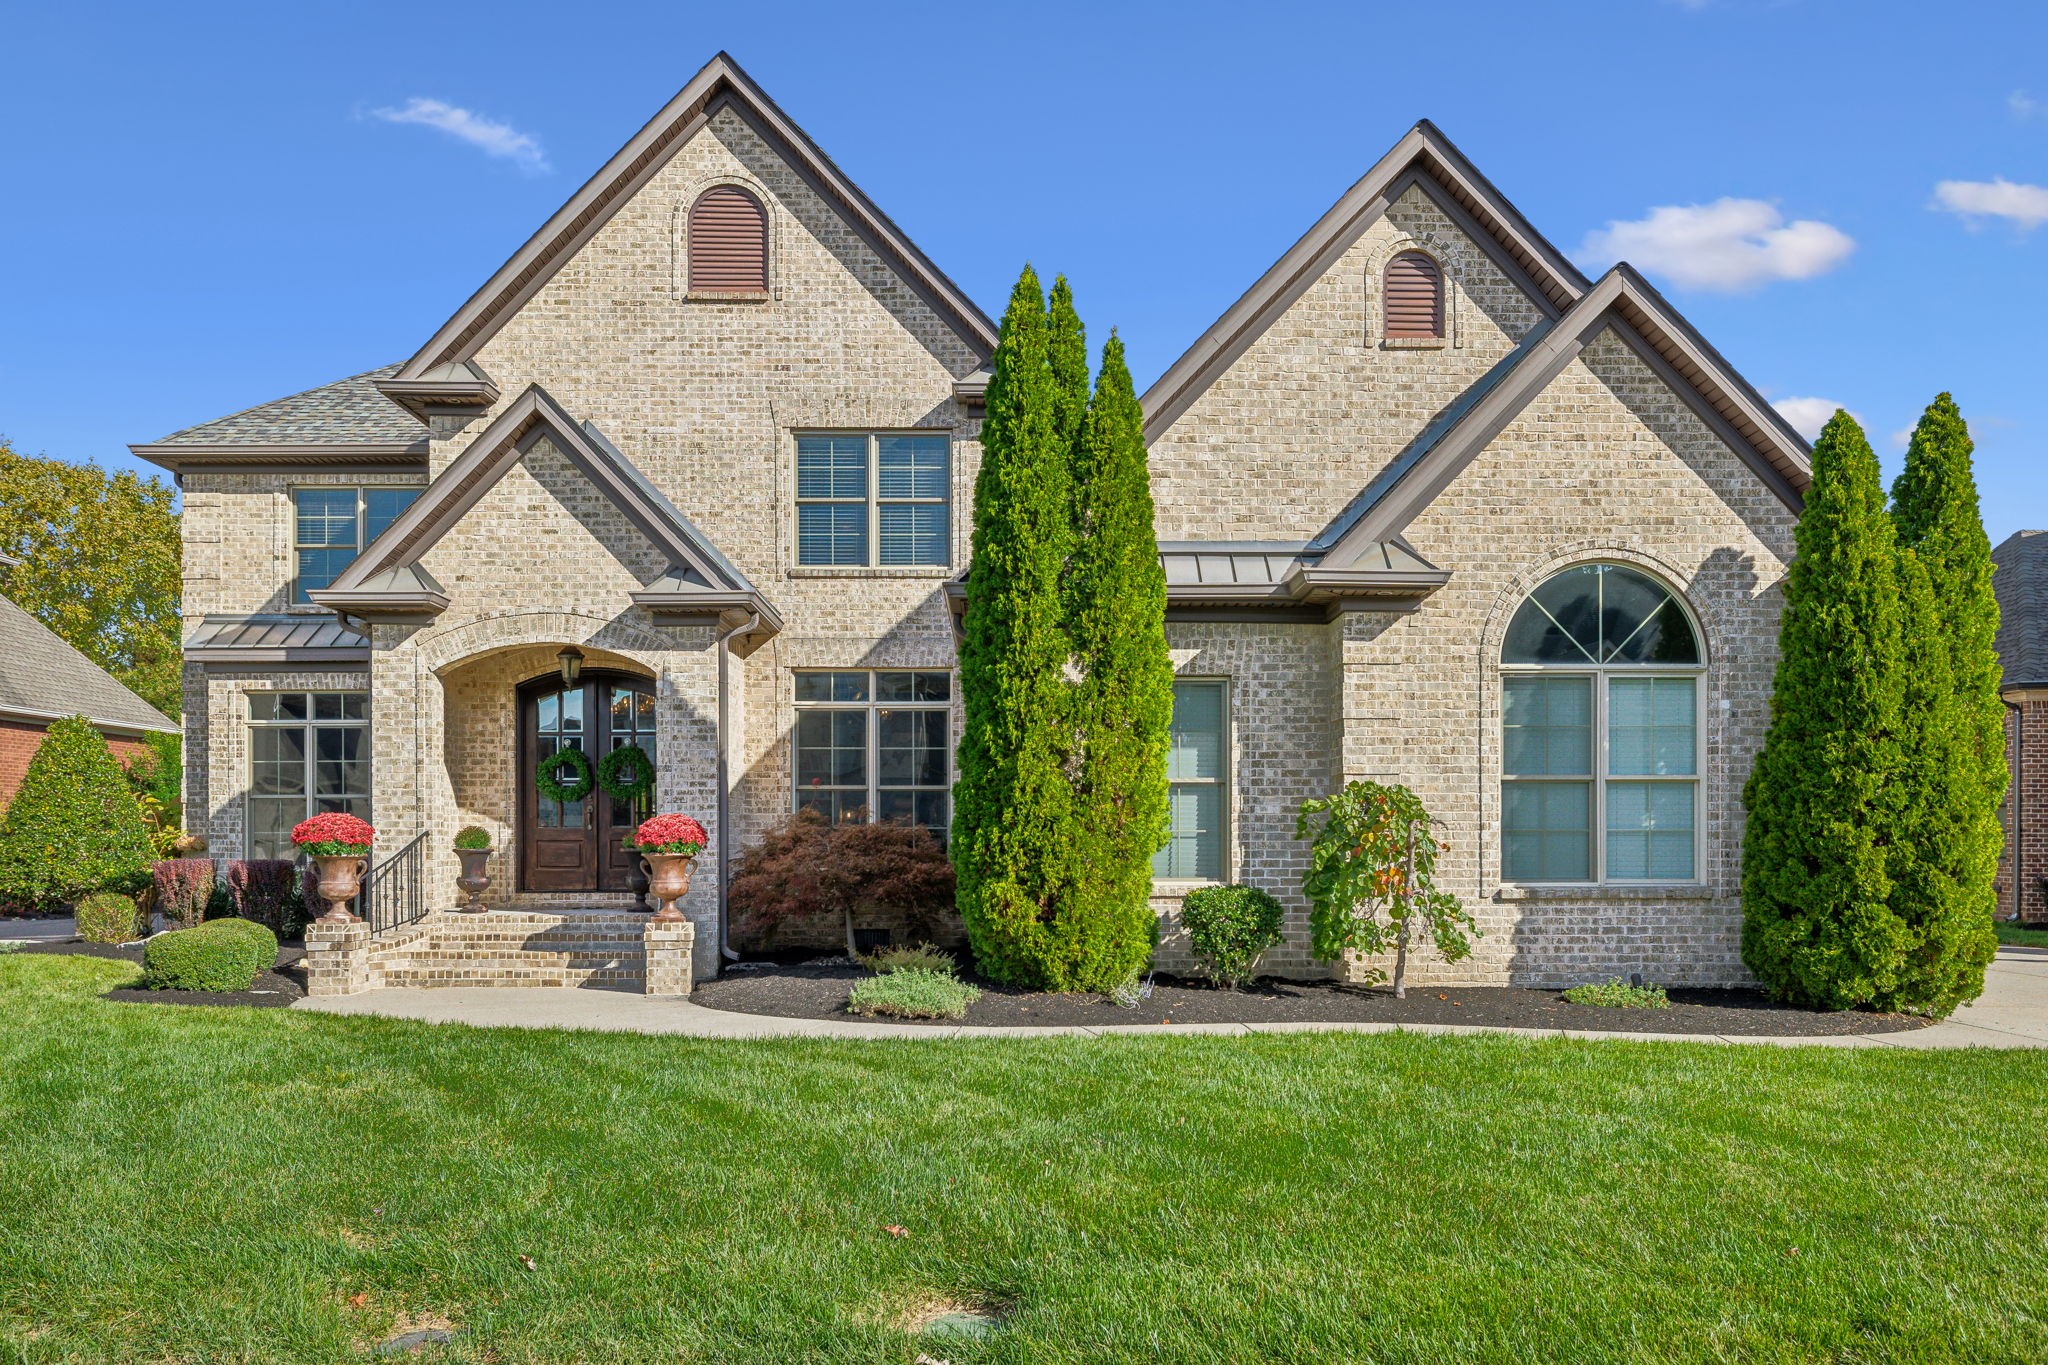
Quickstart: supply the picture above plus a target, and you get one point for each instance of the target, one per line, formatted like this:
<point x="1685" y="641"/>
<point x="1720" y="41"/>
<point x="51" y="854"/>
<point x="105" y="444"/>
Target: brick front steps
<point x="597" y="949"/>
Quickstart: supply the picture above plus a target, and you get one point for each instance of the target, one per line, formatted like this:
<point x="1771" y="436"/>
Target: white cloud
<point x="1808" y="415"/>
<point x="2024" y="206"/>
<point x="1730" y="244"/>
<point x="1902" y="438"/>
<point x="2021" y="105"/>
<point x="487" y="134"/>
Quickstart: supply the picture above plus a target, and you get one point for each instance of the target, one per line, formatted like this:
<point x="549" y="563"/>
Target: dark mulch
<point x="282" y="984"/>
<point x="819" y="992"/>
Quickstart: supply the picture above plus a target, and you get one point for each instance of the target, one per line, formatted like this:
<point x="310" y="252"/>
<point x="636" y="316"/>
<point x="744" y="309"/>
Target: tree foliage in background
<point x="1123" y="702"/>
<point x="73" y="828"/>
<point x="99" y="566"/>
<point x="1373" y="852"/>
<point x="1819" y="926"/>
<point x="1012" y="844"/>
<point x="1943" y="860"/>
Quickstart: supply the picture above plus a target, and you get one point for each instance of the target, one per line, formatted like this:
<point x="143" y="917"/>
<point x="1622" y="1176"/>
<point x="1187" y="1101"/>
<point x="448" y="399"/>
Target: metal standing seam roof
<point x="2020" y="580"/>
<point x="43" y="677"/>
<point x="305" y="631"/>
<point x="348" y="411"/>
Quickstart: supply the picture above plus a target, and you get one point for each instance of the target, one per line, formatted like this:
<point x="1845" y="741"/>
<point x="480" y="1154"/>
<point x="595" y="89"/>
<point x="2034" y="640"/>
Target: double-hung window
<point x="873" y="499"/>
<point x="308" y="752"/>
<point x="1600" y="726"/>
<point x="1197" y="768"/>
<point x="876" y="747"/>
<point x="331" y="526"/>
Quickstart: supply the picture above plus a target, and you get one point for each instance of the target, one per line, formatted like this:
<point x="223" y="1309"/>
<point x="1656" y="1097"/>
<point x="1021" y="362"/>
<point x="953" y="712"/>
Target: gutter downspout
<point x="724" y="645"/>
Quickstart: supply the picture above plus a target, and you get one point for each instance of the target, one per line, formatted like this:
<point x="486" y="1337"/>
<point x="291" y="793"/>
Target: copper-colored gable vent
<point x="728" y="243"/>
<point x="1414" y="296"/>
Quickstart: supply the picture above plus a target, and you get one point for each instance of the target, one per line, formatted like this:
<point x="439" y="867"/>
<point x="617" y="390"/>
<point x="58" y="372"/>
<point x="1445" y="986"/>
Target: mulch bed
<point x="278" y="987"/>
<point x="819" y="992"/>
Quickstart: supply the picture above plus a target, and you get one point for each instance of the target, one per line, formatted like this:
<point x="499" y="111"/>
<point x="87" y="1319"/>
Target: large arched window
<point x="728" y="241"/>
<point x="1600" y="732"/>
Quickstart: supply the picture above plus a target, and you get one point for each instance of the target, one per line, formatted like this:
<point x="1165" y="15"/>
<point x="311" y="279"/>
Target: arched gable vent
<point x="728" y="234"/>
<point x="1414" y="296"/>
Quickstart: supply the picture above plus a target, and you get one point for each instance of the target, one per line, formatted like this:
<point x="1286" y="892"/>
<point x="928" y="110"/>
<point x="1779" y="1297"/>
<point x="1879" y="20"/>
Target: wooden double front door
<point x="577" y="845"/>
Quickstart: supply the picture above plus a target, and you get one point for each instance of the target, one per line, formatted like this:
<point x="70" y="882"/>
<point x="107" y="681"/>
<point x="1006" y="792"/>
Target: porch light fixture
<point x="571" y="659"/>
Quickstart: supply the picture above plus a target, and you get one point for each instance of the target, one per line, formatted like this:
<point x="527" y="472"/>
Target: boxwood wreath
<point x="626" y="773"/>
<point x="546" y="776"/>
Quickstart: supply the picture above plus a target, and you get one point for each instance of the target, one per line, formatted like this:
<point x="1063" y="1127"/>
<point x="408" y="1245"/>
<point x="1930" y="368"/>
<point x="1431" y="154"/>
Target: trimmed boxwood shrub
<point x="108" y="917"/>
<point x="221" y="955"/>
<point x="1229" y="927"/>
<point x="73" y="827"/>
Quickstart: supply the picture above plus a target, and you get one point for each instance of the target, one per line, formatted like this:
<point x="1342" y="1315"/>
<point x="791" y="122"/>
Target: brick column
<point x="337" y="958"/>
<point x="668" y="948"/>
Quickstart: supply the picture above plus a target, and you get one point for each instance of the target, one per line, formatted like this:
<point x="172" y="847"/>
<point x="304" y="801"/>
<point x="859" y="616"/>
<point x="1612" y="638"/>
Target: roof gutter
<point x="120" y="727"/>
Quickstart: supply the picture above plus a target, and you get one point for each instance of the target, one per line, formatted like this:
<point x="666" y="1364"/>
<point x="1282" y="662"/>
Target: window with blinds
<point x="1413" y="297"/>
<point x="1197" y="793"/>
<point x="873" y="499"/>
<point x="728" y="243"/>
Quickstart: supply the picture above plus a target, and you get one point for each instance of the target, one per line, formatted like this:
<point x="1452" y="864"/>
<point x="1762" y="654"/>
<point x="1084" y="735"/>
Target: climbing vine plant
<point x="1371" y="879"/>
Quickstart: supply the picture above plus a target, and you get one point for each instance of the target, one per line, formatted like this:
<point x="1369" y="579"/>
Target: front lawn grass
<point x="2021" y="936"/>
<point x="237" y="1185"/>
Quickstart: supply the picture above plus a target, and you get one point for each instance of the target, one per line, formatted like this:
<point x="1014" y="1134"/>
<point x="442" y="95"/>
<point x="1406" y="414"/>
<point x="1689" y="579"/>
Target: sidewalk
<point x="2013" y="1013"/>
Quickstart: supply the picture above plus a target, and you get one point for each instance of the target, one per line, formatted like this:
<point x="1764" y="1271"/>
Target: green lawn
<point x="2021" y="937"/>
<point x="240" y="1185"/>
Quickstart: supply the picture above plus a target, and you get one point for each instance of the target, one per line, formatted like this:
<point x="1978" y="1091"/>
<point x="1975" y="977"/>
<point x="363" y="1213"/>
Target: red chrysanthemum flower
<point x="677" y="834"/>
<point x="334" y="832"/>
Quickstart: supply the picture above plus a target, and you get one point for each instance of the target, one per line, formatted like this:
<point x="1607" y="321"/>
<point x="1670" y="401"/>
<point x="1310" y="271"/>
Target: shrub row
<point x="221" y="955"/>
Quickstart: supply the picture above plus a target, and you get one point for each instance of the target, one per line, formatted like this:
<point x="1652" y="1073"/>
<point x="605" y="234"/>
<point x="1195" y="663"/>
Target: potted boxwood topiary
<point x="339" y="845"/>
<point x="473" y="847"/>
<point x="668" y="846"/>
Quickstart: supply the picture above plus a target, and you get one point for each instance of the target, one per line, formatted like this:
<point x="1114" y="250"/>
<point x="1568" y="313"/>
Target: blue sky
<point x="208" y="206"/>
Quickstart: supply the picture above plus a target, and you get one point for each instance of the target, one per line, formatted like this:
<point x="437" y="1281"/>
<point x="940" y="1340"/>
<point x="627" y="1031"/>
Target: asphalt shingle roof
<point x="346" y="411"/>
<point x="43" y="676"/>
<point x="2021" y="582"/>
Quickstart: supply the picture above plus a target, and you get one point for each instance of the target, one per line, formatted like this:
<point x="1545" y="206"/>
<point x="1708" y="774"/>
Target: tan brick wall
<point x="238" y="534"/>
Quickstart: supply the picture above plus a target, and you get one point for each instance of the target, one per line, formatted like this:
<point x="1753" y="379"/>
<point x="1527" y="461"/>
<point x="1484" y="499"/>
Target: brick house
<point x="42" y="679"/>
<point x="693" y="471"/>
<point x="2021" y="581"/>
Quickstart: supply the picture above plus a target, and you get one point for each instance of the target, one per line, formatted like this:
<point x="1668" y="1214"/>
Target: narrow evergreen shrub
<point x="1013" y="844"/>
<point x="1229" y="927"/>
<point x="1123" y="703"/>
<point x="1944" y="856"/>
<point x="1818" y="925"/>
<point x="912" y="993"/>
<point x="266" y="890"/>
<point x="108" y="917"/>
<point x="220" y="955"/>
<point x="184" y="887"/>
<point x="74" y="827"/>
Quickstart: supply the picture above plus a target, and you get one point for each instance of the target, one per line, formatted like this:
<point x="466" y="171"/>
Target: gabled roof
<point x="2021" y="582"/>
<point x="387" y="582"/>
<point x="721" y="84"/>
<point x="348" y="420"/>
<point x="1624" y="301"/>
<point x="1424" y="159"/>
<point x="42" y="678"/>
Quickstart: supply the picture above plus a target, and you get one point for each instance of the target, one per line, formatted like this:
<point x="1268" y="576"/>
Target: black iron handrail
<point x="395" y="892"/>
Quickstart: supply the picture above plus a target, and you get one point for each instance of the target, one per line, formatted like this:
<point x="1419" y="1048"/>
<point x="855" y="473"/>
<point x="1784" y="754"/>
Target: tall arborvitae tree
<point x="1818" y="924"/>
<point x="1012" y="844"/>
<point x="1124" y="702"/>
<point x="1951" y="846"/>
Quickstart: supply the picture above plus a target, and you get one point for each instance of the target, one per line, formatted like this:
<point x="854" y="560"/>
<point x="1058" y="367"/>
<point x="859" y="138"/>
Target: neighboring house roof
<point x="2021" y="582"/>
<point x="274" y="639"/>
<point x="42" y="678"/>
<point x="1427" y="161"/>
<point x="386" y="582"/>
<point x="349" y="421"/>
<point x="721" y="84"/>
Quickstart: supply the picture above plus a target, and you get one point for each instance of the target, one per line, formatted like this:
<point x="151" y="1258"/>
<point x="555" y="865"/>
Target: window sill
<point x="1610" y="891"/>
<point x="869" y="571"/>
<point x="1414" y="343"/>
<point x="728" y="296"/>
<point x="1164" y="889"/>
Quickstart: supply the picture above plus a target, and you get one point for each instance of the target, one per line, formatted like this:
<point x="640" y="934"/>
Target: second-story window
<point x="332" y="525"/>
<point x="874" y="499"/>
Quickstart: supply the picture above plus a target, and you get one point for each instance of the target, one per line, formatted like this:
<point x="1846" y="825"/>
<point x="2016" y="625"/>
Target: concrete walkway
<point x="2013" y="1012"/>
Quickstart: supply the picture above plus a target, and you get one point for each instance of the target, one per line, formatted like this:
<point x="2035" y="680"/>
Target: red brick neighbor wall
<point x="2026" y="809"/>
<point x="19" y="740"/>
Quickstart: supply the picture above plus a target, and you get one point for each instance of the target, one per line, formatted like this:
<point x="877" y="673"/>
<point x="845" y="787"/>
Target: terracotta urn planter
<point x="340" y="878"/>
<point x="475" y="878"/>
<point x="668" y="881"/>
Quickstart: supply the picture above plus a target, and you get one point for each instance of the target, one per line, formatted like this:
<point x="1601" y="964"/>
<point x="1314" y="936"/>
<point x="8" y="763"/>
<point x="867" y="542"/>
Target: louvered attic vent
<point x="1414" y="297"/>
<point x="728" y="243"/>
